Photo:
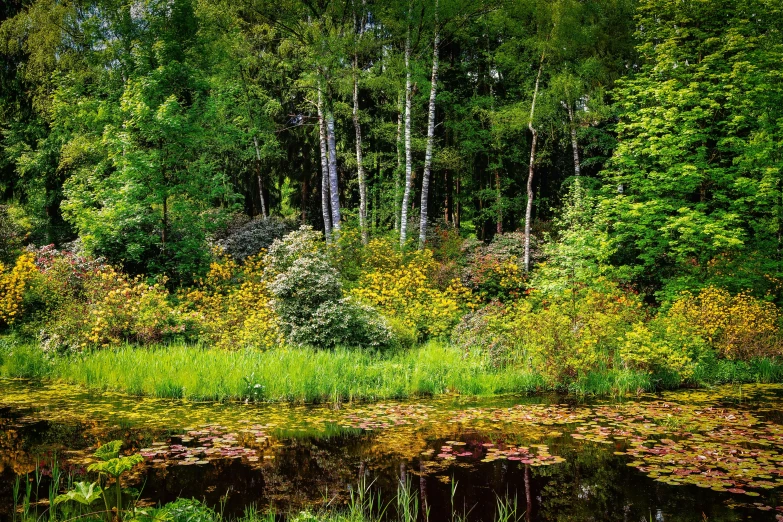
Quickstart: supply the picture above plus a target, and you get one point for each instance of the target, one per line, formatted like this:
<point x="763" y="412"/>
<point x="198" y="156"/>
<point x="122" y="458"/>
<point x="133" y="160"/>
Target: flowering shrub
<point x="253" y="237"/>
<point x="113" y="308"/>
<point x="491" y="330"/>
<point x="580" y="329"/>
<point x="660" y="345"/>
<point x="406" y="290"/>
<point x="561" y="336"/>
<point x="13" y="283"/>
<point x="308" y="297"/>
<point x="737" y="326"/>
<point x="232" y="305"/>
<point x="494" y="271"/>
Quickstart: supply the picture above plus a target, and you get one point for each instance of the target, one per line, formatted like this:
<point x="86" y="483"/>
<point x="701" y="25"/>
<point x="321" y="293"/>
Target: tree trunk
<point x="334" y="190"/>
<point x="406" y="195"/>
<point x="358" y="128"/>
<point x="359" y="165"/>
<point x="258" y="178"/>
<point x="531" y="168"/>
<point x="324" y="171"/>
<point x="398" y="171"/>
<point x="574" y="143"/>
<point x="425" y="179"/>
<point x="499" y="221"/>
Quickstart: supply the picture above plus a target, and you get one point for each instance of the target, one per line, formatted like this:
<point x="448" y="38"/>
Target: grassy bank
<point x="307" y="375"/>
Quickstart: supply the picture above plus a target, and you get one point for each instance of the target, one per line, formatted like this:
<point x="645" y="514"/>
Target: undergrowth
<point x="305" y="375"/>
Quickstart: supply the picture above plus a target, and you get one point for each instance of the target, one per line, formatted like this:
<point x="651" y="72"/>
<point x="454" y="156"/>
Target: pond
<point x="686" y="455"/>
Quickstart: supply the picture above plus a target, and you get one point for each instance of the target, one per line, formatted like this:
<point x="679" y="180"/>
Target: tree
<point x="694" y="186"/>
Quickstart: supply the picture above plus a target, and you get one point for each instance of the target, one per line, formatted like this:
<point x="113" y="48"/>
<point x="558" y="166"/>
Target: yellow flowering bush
<point x="232" y="305"/>
<point x="405" y="290"/>
<point x="13" y="283"/>
<point x="579" y="329"/>
<point x="122" y="309"/>
<point x="660" y="345"/>
<point x="737" y="326"/>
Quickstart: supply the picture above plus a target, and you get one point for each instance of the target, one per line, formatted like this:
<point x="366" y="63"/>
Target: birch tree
<point x="358" y="129"/>
<point x="425" y="178"/>
<point x="408" y="173"/>
<point x="531" y="167"/>
<point x="325" y="201"/>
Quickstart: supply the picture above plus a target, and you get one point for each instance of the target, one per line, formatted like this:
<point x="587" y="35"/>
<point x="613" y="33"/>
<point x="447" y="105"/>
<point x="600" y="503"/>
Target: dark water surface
<point x="683" y="456"/>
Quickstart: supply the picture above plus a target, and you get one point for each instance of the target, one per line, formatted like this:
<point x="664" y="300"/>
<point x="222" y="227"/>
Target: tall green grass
<point x="284" y="374"/>
<point x="310" y="375"/>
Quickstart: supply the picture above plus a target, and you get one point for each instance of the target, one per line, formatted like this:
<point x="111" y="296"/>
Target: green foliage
<point x="693" y="188"/>
<point x="109" y="451"/>
<point x="83" y="492"/>
<point x="307" y="293"/>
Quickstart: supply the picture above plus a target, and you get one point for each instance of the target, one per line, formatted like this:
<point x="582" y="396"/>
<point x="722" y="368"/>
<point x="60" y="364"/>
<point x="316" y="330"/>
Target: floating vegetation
<point x="729" y="442"/>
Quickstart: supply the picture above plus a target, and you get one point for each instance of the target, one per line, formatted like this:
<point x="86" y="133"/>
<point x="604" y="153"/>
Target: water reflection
<point x="561" y="461"/>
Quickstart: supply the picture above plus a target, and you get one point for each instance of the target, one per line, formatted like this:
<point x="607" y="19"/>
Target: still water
<point x="712" y="455"/>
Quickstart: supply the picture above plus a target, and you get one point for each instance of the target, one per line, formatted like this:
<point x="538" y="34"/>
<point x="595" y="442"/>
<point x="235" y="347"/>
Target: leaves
<point x="83" y="492"/>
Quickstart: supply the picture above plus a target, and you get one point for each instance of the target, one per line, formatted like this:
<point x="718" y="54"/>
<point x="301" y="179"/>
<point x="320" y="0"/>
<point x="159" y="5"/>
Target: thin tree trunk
<point x="324" y="171"/>
<point x="425" y="179"/>
<point x="359" y="165"/>
<point x="334" y="191"/>
<point x="258" y="178"/>
<point x="531" y="168"/>
<point x="408" y="174"/>
<point x="574" y="143"/>
<point x="398" y="171"/>
<point x="457" y="205"/>
<point x="499" y="220"/>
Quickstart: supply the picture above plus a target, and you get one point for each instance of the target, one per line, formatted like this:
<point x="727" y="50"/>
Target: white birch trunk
<point x="258" y="177"/>
<point x="358" y="128"/>
<point x="574" y="143"/>
<point x="531" y="169"/>
<point x="334" y="190"/>
<point x="324" y="171"/>
<point x="425" y="179"/>
<point x="408" y="174"/>
<point x="398" y="170"/>
<point x="359" y="165"/>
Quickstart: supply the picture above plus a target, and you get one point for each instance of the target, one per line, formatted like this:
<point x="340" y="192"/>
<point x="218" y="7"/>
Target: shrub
<point x="13" y="283"/>
<point x="250" y="238"/>
<point x="80" y="301"/>
<point x="233" y="305"/>
<point x="562" y="336"/>
<point x="661" y="346"/>
<point x="405" y="289"/>
<point x="13" y="234"/>
<point x="494" y="271"/>
<point x="737" y="326"/>
<point x="491" y="330"/>
<point x="580" y="329"/>
<point x="308" y="297"/>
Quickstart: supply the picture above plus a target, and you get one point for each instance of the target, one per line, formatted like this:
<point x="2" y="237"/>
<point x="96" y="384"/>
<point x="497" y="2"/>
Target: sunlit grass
<point x="310" y="375"/>
<point x="284" y="374"/>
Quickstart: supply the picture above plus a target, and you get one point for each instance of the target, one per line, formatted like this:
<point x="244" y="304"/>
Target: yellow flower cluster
<point x="12" y="287"/>
<point x="233" y="305"/>
<point x="125" y="309"/>
<point x="405" y="291"/>
<point x="738" y="327"/>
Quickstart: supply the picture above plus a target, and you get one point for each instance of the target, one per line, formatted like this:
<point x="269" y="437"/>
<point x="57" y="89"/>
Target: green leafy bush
<point x="252" y="237"/>
<point x="308" y="297"/>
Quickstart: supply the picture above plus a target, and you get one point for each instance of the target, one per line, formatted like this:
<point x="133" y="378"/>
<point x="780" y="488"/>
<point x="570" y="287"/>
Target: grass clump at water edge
<point x="284" y="374"/>
<point x="307" y="375"/>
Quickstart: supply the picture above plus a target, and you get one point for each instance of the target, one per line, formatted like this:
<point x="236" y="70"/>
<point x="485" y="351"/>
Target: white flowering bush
<point x="308" y="297"/>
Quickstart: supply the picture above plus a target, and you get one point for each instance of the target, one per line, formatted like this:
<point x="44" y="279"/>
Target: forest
<point x="586" y="193"/>
<point x="329" y="252"/>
